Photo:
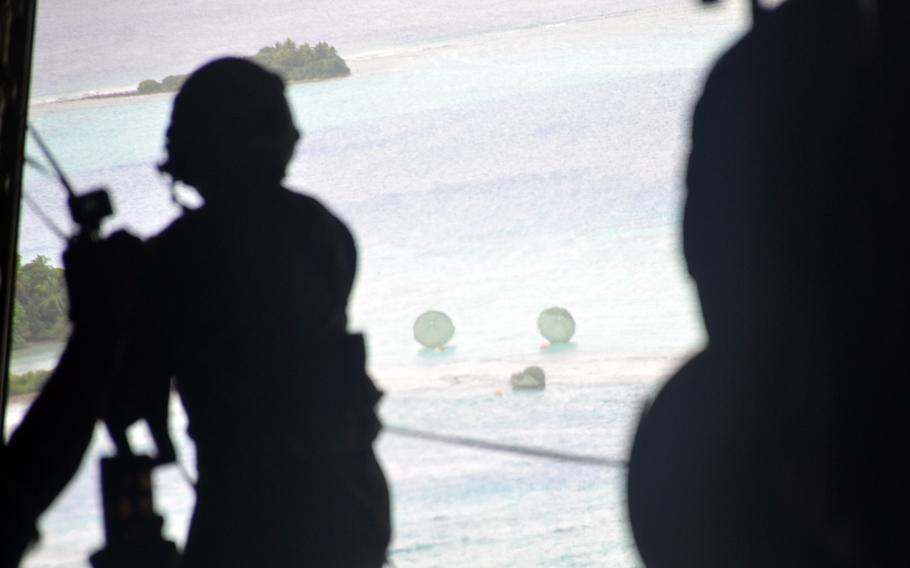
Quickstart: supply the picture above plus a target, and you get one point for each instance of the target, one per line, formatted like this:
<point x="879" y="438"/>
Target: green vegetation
<point x="40" y="314"/>
<point x="27" y="383"/>
<point x="169" y="84"/>
<point x="302" y="63"/>
<point x="291" y="61"/>
<point x="41" y="304"/>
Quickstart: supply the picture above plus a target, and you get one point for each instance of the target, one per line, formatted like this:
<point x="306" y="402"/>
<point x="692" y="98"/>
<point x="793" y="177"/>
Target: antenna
<point x="87" y="210"/>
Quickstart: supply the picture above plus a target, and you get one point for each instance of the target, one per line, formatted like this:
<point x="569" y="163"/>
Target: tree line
<point x="291" y="61"/>
<point x="40" y="313"/>
<point x="41" y="307"/>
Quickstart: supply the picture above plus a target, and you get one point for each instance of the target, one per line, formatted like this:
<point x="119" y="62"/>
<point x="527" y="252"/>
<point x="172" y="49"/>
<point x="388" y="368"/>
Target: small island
<point x="295" y="63"/>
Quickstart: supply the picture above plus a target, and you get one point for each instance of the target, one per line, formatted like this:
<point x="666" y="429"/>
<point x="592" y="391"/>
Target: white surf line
<point x="405" y="50"/>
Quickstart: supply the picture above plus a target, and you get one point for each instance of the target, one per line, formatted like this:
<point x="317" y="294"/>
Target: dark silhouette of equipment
<point x="132" y="527"/>
<point x="87" y="210"/>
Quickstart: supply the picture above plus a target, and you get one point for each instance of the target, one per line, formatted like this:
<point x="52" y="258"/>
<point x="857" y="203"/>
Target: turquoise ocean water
<point x="492" y="159"/>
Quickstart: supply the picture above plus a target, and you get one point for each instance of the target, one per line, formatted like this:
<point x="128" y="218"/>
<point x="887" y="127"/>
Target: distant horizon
<point x="75" y="48"/>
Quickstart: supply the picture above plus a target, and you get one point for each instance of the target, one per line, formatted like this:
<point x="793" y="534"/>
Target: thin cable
<point x="527" y="451"/>
<point x="52" y="161"/>
<point x="36" y="209"/>
<point x="44" y="217"/>
<point x="39" y="167"/>
<point x="185" y="474"/>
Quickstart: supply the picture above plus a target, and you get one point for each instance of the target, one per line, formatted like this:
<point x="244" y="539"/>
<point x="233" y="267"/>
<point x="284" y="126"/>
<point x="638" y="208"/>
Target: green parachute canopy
<point x="556" y="325"/>
<point x="433" y="329"/>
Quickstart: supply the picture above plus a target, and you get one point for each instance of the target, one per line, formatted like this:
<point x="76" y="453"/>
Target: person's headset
<point x="230" y="119"/>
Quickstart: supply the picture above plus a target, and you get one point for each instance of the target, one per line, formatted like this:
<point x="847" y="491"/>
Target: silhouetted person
<point x="783" y="442"/>
<point x="246" y="309"/>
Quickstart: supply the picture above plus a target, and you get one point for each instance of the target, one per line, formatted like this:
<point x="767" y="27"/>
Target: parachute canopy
<point x="556" y="325"/>
<point x="433" y="329"/>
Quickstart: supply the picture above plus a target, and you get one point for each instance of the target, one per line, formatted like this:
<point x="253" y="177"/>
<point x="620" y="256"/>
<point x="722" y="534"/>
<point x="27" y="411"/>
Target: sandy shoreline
<point x="106" y="97"/>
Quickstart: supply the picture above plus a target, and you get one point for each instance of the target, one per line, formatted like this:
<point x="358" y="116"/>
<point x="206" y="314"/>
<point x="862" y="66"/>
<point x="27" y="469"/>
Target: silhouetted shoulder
<point x="281" y="216"/>
<point x="278" y="260"/>
<point x="279" y="205"/>
<point x="332" y="222"/>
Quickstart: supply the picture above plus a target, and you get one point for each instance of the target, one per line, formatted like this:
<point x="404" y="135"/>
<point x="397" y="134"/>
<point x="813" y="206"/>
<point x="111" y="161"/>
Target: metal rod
<point x="527" y="451"/>
<point x="50" y="158"/>
<point x="44" y="217"/>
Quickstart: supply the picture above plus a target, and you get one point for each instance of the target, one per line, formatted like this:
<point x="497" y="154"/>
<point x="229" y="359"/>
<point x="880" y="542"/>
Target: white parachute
<point x="556" y="324"/>
<point x="433" y="329"/>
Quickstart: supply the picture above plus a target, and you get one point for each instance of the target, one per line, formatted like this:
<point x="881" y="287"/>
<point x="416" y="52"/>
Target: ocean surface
<point x="493" y="158"/>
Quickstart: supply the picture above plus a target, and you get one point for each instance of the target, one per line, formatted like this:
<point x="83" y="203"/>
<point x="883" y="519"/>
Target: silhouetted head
<point x="791" y="226"/>
<point x="231" y="129"/>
